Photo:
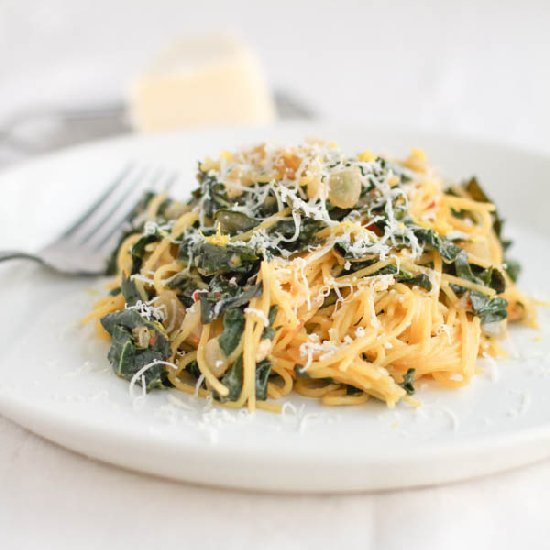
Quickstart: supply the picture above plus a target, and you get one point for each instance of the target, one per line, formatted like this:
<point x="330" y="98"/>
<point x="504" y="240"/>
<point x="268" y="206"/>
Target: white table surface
<point x="478" y="68"/>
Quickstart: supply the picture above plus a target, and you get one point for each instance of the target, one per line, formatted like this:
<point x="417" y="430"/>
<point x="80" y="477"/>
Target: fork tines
<point x="99" y="227"/>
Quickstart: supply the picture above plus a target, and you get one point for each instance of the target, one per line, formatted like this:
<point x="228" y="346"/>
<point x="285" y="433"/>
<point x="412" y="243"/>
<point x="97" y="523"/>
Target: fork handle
<point x="17" y="254"/>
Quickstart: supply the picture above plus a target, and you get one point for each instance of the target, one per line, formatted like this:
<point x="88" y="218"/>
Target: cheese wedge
<point x="209" y="80"/>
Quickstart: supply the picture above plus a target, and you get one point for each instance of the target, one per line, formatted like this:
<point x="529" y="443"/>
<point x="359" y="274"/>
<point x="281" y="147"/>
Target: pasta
<point x="304" y="269"/>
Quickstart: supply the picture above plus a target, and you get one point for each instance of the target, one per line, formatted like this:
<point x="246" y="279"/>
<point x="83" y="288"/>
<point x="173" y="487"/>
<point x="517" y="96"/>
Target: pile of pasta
<point x="350" y="285"/>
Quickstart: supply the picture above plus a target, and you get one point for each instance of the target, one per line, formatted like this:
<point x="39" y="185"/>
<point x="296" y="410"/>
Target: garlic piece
<point x="345" y="188"/>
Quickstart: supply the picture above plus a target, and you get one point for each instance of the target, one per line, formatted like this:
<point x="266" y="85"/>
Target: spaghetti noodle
<point x="305" y="269"/>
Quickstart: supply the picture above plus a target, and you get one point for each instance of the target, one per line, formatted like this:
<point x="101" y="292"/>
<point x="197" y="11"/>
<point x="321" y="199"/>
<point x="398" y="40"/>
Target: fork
<point x="85" y="247"/>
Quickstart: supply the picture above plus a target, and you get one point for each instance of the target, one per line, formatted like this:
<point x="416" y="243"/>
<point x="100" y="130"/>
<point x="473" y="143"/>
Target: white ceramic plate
<point x="55" y="379"/>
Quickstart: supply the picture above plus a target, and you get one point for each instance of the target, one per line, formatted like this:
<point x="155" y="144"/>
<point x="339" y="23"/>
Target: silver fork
<point x="85" y="247"/>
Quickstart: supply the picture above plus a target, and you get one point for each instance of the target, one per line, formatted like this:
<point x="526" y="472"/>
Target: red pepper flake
<point x="374" y="228"/>
<point x="196" y="295"/>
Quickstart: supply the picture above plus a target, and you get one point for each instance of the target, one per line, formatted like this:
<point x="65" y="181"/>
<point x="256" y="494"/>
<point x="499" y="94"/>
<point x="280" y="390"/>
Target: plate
<point x="55" y="379"/>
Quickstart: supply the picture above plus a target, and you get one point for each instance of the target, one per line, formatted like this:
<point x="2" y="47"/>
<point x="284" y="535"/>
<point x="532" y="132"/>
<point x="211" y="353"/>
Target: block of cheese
<point x="209" y="80"/>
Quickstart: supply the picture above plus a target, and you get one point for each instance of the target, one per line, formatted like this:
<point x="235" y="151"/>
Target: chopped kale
<point x="422" y="280"/>
<point x="489" y="310"/>
<point x="138" y="249"/>
<point x="223" y="296"/>
<point x="234" y="222"/>
<point x="269" y="331"/>
<point x="299" y="371"/>
<point x="233" y="380"/>
<point x="306" y="237"/>
<point x="211" y="259"/>
<point x="186" y="284"/>
<point x="263" y="370"/>
<point x="449" y="251"/>
<point x="130" y="292"/>
<point x="344" y="249"/>
<point x="491" y="277"/>
<point x="193" y="369"/>
<point x="355" y="266"/>
<point x="458" y="214"/>
<point x="513" y="269"/>
<point x="352" y="390"/>
<point x="233" y="326"/>
<point x="136" y="343"/>
<point x="401" y="276"/>
<point x="213" y="194"/>
<point x="408" y="381"/>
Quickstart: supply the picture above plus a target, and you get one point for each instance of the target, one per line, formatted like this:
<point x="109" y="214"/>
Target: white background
<point x="477" y="68"/>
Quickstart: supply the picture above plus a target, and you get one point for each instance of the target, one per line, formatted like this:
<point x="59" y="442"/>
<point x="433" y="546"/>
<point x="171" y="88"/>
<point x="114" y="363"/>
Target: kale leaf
<point x="513" y="269"/>
<point x="186" y="284"/>
<point x="233" y="326"/>
<point x="223" y="296"/>
<point x="233" y="380"/>
<point x="491" y="277"/>
<point x="211" y="259"/>
<point x="408" y="381"/>
<point x="129" y="354"/>
<point x="306" y="236"/>
<point x="193" y="369"/>
<point x="489" y="310"/>
<point x="263" y="370"/>
<point x="422" y="280"/>
<point x="401" y="276"/>
<point x="214" y="193"/>
<point x="269" y="331"/>
<point x="138" y="249"/>
<point x="448" y="250"/>
<point x="130" y="292"/>
<point x="234" y="222"/>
